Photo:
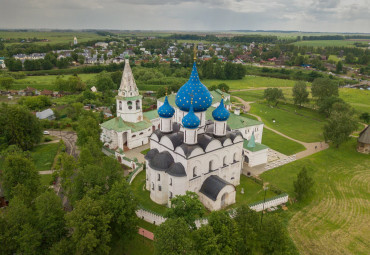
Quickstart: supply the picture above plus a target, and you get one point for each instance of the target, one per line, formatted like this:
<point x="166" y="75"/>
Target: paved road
<point x="311" y="148"/>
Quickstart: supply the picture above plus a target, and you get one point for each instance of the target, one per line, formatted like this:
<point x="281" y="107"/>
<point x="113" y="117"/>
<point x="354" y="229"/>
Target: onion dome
<point x="191" y="120"/>
<point x="221" y="113"/>
<point x="196" y="90"/>
<point x="166" y="110"/>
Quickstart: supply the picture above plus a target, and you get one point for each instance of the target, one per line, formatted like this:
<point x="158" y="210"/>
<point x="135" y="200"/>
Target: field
<point x="359" y="99"/>
<point x="139" y="245"/>
<point x="334" y="219"/>
<point x="251" y="81"/>
<point x="299" y="123"/>
<point x="280" y="143"/>
<point x="326" y="43"/>
<point x="44" y="81"/>
<point x="53" y="37"/>
<point x="43" y="156"/>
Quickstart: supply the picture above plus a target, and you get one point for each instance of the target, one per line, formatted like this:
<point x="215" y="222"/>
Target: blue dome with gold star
<point x="193" y="89"/>
<point x="191" y="120"/>
<point x="221" y="113"/>
<point x="166" y="110"/>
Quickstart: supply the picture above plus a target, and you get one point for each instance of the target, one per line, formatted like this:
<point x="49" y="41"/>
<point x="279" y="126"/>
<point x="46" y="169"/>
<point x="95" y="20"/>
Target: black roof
<point x="161" y="161"/>
<point x="204" y="140"/>
<point x="151" y="154"/>
<point x="212" y="186"/>
<point x="176" y="138"/>
<point x="187" y="148"/>
<point x="177" y="169"/>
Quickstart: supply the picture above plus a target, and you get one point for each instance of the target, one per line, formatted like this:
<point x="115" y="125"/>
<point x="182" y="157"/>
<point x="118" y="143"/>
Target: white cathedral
<point x="196" y="143"/>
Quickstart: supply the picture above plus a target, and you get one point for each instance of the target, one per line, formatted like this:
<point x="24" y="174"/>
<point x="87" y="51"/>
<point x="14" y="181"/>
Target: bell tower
<point x="129" y="101"/>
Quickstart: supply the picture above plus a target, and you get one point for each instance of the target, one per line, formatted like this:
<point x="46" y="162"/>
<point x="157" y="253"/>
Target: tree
<point x="205" y="241"/>
<point x="122" y="204"/>
<point x="326" y="104"/>
<point x="29" y="240"/>
<point x="223" y="87"/>
<point x="248" y="225"/>
<point x="339" y="126"/>
<point x="273" y="95"/>
<point x="19" y="170"/>
<point x="339" y="67"/>
<point x="18" y="126"/>
<point x="50" y="215"/>
<point x="187" y="207"/>
<point x="365" y="116"/>
<point x="104" y="82"/>
<point x="172" y="237"/>
<point x="300" y="93"/>
<point x="116" y="77"/>
<point x="6" y="82"/>
<point x="323" y="88"/>
<point x="274" y="237"/>
<point x="88" y="127"/>
<point x="225" y="230"/>
<point x="63" y="63"/>
<point x="303" y="184"/>
<point x="89" y="222"/>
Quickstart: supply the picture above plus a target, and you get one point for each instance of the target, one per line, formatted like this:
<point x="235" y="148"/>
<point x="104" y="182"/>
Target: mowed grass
<point x="46" y="179"/>
<point x="280" y="143"/>
<point x="43" y="156"/>
<point x="334" y="219"/>
<point x="326" y="43"/>
<point x="251" y="81"/>
<point x="358" y="99"/>
<point x="53" y="37"/>
<point x="253" y="192"/>
<point x="143" y="196"/>
<point x="44" y="81"/>
<point x="302" y="124"/>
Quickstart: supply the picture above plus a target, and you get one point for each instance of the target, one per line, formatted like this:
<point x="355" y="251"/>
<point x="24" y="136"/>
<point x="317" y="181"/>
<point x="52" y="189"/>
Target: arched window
<point x="129" y="103"/>
<point x="137" y="104"/>
<point x="170" y="181"/>
<point x="224" y="161"/>
<point x="194" y="171"/>
<point x="159" y="177"/>
<point x="210" y="165"/>
<point x="120" y="105"/>
<point x="133" y="136"/>
<point x="141" y="133"/>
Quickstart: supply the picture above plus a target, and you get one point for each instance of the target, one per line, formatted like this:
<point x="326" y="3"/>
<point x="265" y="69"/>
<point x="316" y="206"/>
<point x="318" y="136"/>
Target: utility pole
<point x="264" y="200"/>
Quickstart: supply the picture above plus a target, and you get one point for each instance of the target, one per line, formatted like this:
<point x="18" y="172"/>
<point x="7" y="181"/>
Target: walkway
<point x="135" y="153"/>
<point x="146" y="233"/>
<point x="311" y="148"/>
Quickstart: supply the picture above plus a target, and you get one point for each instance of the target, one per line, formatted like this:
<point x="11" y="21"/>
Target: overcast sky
<point x="302" y="15"/>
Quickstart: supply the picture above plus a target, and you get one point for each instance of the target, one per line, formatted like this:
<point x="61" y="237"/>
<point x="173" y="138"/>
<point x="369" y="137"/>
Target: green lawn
<point x="251" y="81"/>
<point x="253" y="192"/>
<point x="46" y="179"/>
<point x="359" y="99"/>
<point x="138" y="186"/>
<point x="280" y="143"/>
<point x="43" y="155"/>
<point x="44" y="81"/>
<point x="334" y="219"/>
<point x="299" y="123"/>
<point x="334" y="58"/>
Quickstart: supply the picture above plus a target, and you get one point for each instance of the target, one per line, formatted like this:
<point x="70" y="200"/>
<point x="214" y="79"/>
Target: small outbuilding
<point x="363" y="142"/>
<point x="46" y="114"/>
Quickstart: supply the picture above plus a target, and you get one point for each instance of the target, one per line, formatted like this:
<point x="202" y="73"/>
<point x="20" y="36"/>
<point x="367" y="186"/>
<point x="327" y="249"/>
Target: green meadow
<point x="43" y="156"/>
<point x="326" y="43"/>
<point x="333" y="219"/>
<point x="280" y="143"/>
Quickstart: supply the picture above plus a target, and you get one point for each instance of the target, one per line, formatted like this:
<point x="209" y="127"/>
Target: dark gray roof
<point x="187" y="148"/>
<point x="176" y="138"/>
<point x="151" y="154"/>
<point x="204" y="140"/>
<point x="212" y="186"/>
<point x="161" y="161"/>
<point x="177" y="169"/>
<point x="365" y="136"/>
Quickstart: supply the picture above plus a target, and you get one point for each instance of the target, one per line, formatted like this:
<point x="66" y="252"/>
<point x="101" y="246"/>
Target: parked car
<point x="46" y="133"/>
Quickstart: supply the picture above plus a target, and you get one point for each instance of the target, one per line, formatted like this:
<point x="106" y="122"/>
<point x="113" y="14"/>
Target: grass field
<point x="326" y="43"/>
<point x="280" y="143"/>
<point x="44" y="81"/>
<point x="334" y="58"/>
<point x="251" y="81"/>
<point x="334" y="220"/>
<point x="359" y="99"/>
<point x="300" y="123"/>
<point x="53" y="37"/>
<point x="46" y="179"/>
<point x="43" y="155"/>
<point x="139" y="245"/>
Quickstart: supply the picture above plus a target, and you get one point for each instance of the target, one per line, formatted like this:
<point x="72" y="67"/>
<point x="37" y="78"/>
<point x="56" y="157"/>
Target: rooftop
<point x="119" y="125"/>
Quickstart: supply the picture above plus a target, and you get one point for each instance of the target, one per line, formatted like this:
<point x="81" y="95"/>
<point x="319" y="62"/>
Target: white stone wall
<point x="247" y="132"/>
<point x="256" y="158"/>
<point x="166" y="124"/>
<point x="271" y="203"/>
<point x="219" y="128"/>
<point x="138" y="138"/>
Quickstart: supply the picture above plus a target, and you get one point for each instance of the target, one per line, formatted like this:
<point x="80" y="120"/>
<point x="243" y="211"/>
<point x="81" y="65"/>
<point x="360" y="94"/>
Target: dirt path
<point x="260" y="88"/>
<point x="311" y="148"/>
